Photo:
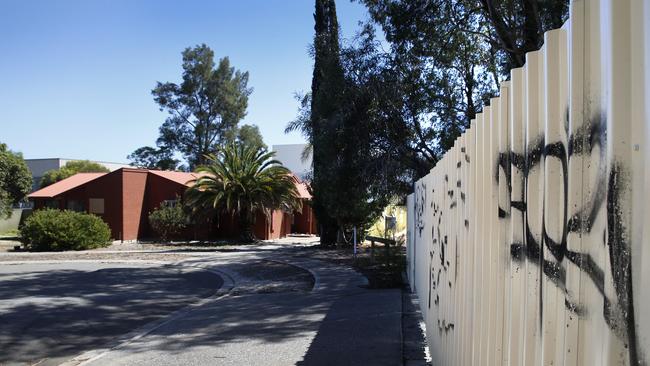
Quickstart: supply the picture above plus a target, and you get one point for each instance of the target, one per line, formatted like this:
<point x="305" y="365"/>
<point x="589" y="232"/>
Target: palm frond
<point x="243" y="180"/>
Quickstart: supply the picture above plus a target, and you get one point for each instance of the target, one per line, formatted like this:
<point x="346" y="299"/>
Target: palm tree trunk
<point x="246" y="220"/>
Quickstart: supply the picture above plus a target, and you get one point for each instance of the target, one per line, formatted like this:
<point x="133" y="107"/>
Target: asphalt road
<point x="52" y="312"/>
<point x="279" y="309"/>
<point x="338" y="322"/>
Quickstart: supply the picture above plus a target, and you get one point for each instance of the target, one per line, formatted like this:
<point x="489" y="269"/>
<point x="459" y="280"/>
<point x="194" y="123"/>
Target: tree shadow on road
<point x="59" y="314"/>
<point x="340" y="325"/>
<point x="56" y="314"/>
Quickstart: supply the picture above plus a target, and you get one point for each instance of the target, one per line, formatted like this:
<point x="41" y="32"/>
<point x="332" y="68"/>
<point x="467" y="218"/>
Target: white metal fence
<point x="528" y="243"/>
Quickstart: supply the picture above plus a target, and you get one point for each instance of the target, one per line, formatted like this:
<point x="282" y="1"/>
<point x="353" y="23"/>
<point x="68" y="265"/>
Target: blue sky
<point x="76" y="75"/>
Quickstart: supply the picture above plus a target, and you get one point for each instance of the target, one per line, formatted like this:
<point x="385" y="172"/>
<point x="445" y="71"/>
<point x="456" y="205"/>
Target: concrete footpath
<point x="338" y="322"/>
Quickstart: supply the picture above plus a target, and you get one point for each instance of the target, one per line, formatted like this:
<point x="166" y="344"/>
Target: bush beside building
<point x="54" y="230"/>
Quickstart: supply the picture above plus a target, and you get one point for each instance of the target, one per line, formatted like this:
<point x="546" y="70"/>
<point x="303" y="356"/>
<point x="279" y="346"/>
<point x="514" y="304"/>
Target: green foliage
<point x="168" y="222"/>
<point x="349" y="170"/>
<point x="250" y="135"/>
<point x="379" y="119"/>
<point x="515" y="27"/>
<point x="151" y="158"/>
<point x="71" y="168"/>
<point x="10" y="233"/>
<point x="204" y="108"/>
<point x="501" y="30"/>
<point x="15" y="180"/>
<point x="54" y="230"/>
<point x="327" y="83"/>
<point x="436" y="74"/>
<point x="242" y="180"/>
<point x="446" y="59"/>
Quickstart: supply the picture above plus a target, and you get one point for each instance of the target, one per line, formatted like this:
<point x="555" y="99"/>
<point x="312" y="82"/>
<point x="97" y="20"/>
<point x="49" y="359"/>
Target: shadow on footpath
<point x="361" y="329"/>
<point x="71" y="311"/>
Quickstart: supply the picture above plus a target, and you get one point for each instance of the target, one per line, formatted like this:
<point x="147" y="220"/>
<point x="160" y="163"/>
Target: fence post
<point x="387" y="248"/>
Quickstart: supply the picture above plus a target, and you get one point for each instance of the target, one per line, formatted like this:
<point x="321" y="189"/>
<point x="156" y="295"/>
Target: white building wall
<point x="291" y="157"/>
<point x="38" y="167"/>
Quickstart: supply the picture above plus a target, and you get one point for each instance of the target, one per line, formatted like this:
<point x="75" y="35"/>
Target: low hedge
<point x="53" y="230"/>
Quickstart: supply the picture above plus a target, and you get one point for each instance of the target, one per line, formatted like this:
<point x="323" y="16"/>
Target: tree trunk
<point x="328" y="230"/>
<point x="246" y="221"/>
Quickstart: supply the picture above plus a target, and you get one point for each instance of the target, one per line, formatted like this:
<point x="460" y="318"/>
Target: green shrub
<point x="168" y="222"/>
<point x="71" y="168"/>
<point x="51" y="230"/>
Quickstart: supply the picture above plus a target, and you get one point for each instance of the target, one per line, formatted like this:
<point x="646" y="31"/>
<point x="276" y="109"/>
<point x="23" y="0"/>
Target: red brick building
<point x="125" y="197"/>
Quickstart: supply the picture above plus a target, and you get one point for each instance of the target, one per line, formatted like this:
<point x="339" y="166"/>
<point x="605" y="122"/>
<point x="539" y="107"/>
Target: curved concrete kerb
<point x="327" y="276"/>
<point x="122" y="341"/>
<point x="313" y="273"/>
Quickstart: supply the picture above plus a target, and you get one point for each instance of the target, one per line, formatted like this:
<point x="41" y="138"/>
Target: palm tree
<point x="243" y="180"/>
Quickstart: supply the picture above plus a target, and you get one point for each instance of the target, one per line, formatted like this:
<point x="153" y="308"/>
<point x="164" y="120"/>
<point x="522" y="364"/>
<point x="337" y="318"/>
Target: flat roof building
<point x="290" y="155"/>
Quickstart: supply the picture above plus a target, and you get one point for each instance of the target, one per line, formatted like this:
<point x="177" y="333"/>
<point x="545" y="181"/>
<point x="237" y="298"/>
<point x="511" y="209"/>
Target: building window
<point x="52" y="204"/>
<point x="169" y="203"/>
<point x="75" y="205"/>
<point x="96" y="206"/>
<point x="23" y="204"/>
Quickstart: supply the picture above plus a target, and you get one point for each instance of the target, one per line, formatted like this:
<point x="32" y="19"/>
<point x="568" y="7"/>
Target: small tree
<point x="71" y="168"/>
<point x="326" y="100"/>
<point x="243" y="180"/>
<point x="204" y="109"/>
<point x="148" y="157"/>
<point x="15" y="180"/>
<point x="168" y="221"/>
<point x="250" y="135"/>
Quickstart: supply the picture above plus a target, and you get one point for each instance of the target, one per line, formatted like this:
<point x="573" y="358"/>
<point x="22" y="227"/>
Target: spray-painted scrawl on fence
<point x="420" y="202"/>
<point x="433" y="207"/>
<point x="526" y="239"/>
<point x="602" y="204"/>
<point x="597" y="216"/>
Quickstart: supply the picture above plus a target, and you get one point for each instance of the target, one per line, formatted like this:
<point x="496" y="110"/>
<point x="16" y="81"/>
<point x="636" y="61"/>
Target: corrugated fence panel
<point x="641" y="216"/>
<point x="554" y="208"/>
<point x="534" y="180"/>
<point x="469" y="271"/>
<point x="574" y="178"/>
<point x="527" y="242"/>
<point x="503" y="213"/>
<point x="516" y="238"/>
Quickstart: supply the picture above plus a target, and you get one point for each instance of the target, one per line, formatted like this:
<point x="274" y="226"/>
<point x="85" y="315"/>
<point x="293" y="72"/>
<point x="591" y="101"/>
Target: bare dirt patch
<point x="264" y="276"/>
<point x="380" y="271"/>
<point x="8" y="244"/>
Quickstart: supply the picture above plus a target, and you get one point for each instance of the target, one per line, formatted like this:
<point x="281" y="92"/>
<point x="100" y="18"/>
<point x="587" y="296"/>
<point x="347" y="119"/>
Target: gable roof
<point x="182" y="178"/>
<point x="178" y="177"/>
<point x="302" y="187"/>
<point x="65" y="185"/>
<point x="303" y="191"/>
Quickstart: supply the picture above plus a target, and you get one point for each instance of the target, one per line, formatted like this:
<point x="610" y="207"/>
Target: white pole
<point x="355" y="242"/>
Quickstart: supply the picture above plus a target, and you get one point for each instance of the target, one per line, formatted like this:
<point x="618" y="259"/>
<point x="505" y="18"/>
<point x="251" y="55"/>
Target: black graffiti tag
<point x="589" y="141"/>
